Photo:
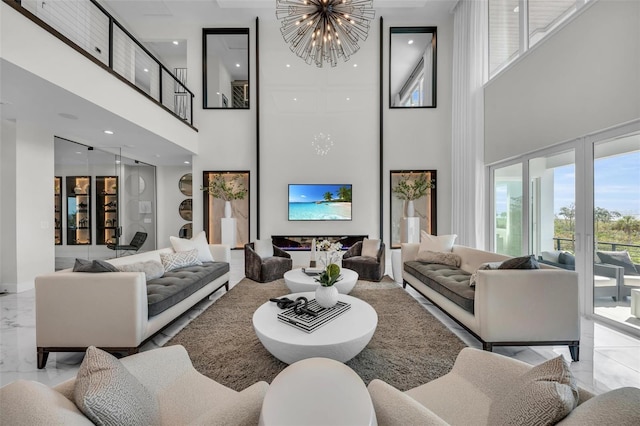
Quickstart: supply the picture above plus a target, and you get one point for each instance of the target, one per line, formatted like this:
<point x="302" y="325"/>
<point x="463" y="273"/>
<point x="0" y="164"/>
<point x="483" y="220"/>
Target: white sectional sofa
<point x="507" y="307"/>
<point x="111" y="310"/>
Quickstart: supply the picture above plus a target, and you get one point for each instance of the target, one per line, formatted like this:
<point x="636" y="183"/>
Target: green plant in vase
<point x="411" y="187"/>
<point x="227" y="189"/>
<point x="327" y="293"/>
<point x="329" y="276"/>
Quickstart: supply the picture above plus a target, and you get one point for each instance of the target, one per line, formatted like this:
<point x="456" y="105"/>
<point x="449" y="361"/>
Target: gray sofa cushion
<point x="452" y="283"/>
<point x="175" y="286"/>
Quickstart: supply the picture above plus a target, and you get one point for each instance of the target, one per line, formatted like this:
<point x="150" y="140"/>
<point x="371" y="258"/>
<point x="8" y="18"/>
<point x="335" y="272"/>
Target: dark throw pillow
<point x="567" y="258"/>
<point x="524" y="262"/>
<point x="83" y="265"/>
<point x="619" y="258"/>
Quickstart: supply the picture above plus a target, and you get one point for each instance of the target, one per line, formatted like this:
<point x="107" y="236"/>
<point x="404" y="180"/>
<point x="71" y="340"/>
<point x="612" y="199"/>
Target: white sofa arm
<point x="79" y="309"/>
<point x="220" y="252"/>
<point x="530" y="305"/>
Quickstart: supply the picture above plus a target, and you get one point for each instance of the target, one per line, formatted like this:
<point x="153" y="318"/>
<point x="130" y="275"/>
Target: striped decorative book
<point x="309" y="323"/>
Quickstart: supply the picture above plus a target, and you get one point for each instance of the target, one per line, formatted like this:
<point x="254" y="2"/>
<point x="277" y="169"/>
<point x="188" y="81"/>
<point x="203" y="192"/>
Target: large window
<point x="517" y="25"/>
<point x="577" y="206"/>
<point x="507" y="184"/>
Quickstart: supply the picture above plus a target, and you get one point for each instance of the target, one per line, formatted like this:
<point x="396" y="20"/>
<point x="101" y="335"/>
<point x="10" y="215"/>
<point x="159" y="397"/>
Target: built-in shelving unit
<point x="57" y="210"/>
<point x="106" y="210"/>
<point x="78" y="190"/>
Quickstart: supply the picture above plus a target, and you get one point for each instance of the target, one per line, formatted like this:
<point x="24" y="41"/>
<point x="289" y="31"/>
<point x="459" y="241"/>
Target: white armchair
<point x="184" y="396"/>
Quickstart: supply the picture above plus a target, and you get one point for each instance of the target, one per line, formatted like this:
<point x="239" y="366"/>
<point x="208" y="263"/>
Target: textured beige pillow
<point x="450" y="259"/>
<point x="152" y="269"/>
<point x="370" y="247"/>
<point x="108" y="394"/>
<point x="542" y="396"/>
<point x="443" y="243"/>
<point x="198" y="242"/>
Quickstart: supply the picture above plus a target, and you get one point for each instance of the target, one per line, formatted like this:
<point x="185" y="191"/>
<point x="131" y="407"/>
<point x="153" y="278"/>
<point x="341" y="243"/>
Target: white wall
<point x="582" y="79"/>
<point x="169" y="198"/>
<point x="27" y="242"/>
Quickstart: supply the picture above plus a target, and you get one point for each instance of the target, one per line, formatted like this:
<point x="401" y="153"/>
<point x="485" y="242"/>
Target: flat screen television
<point x="319" y="202"/>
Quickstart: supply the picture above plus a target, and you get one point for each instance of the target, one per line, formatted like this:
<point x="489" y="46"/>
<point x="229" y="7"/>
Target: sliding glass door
<point x="577" y="206"/>
<point x="616" y="228"/>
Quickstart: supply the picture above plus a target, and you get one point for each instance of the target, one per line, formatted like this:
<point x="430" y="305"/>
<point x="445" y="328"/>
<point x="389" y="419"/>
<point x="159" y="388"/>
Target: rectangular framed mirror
<point x="413" y="205"/>
<point x="412" y="67"/>
<point x="225" y="68"/>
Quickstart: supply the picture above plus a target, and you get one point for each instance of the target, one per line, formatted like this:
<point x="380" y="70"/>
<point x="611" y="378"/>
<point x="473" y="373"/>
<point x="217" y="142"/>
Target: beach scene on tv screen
<point x="319" y="202"/>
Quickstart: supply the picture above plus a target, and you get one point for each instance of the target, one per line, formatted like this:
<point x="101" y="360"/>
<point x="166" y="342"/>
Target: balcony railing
<point x="569" y="245"/>
<point x="91" y="30"/>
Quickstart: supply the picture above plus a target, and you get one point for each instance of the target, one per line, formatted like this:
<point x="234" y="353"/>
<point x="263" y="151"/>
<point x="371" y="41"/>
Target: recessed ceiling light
<point x="146" y="70"/>
<point x="288" y="66"/>
<point x="410" y="42"/>
<point x="117" y="161"/>
<point x="295" y="99"/>
<point x="238" y="65"/>
<point x="176" y="42"/>
<point x="108" y="132"/>
<point x="348" y="99"/>
<point x="186" y="162"/>
<point x="217" y="93"/>
<point x="516" y="9"/>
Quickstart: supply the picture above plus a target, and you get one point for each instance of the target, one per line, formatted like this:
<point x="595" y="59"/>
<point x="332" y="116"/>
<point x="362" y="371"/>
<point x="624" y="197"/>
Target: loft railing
<point x="91" y="30"/>
<point x="569" y="245"/>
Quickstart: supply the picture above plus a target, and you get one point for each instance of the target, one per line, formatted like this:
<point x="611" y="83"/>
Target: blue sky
<point x="617" y="184"/>
<point x="310" y="193"/>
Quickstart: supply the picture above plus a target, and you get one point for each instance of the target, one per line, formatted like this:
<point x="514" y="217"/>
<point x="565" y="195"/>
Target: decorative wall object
<point x="413" y="204"/>
<point x="412" y="67"/>
<point x="57" y="209"/>
<point x="225" y="68"/>
<point x="78" y="210"/>
<point x="324" y="30"/>
<point x="218" y="188"/>
<point x="185" y="184"/>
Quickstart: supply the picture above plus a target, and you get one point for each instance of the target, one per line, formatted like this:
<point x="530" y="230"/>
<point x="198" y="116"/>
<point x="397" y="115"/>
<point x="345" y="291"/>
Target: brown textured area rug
<point x="410" y="346"/>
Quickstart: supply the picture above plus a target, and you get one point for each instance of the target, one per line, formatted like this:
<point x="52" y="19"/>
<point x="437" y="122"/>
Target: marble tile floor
<point x="608" y="359"/>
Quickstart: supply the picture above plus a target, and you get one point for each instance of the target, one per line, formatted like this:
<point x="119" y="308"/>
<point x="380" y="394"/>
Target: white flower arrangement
<point x="332" y="251"/>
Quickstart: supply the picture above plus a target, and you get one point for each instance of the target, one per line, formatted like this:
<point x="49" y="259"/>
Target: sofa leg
<point x="226" y="286"/>
<point x="43" y="355"/>
<point x="486" y="346"/>
<point x="574" y="350"/>
<point x="404" y="284"/>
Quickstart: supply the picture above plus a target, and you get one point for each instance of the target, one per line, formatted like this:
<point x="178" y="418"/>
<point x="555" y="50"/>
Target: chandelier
<point x="324" y="30"/>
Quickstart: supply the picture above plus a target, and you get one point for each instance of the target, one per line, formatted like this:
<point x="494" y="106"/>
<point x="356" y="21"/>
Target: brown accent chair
<point x="266" y="270"/>
<point x="368" y="268"/>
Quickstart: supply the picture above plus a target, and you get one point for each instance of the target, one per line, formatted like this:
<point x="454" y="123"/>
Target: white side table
<point x="317" y="391"/>
<point x="396" y="265"/>
<point x="228" y="231"/>
<point x="410" y="232"/>
<point x="297" y="281"/>
<point x="635" y="302"/>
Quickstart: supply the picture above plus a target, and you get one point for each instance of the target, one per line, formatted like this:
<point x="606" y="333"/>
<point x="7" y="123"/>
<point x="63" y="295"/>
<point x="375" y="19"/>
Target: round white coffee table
<point x="340" y="339"/>
<point x="317" y="391"/>
<point x="298" y="281"/>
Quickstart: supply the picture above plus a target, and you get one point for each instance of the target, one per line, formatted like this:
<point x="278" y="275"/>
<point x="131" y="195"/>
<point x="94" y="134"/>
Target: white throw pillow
<point x="198" y="242"/>
<point x="551" y="256"/>
<point x="181" y="259"/>
<point x="370" y="247"/>
<point x="152" y="269"/>
<point x="442" y="243"/>
<point x="264" y="248"/>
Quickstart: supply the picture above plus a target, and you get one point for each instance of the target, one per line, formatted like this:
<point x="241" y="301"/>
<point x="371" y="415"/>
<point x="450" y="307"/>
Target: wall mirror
<point x="184" y="210"/>
<point x="412" y="67"/>
<point x="413" y="205"/>
<point x="185" y="184"/>
<point x="225" y="68"/>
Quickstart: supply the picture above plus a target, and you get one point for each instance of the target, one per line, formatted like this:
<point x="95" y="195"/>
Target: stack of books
<point x="309" y="323"/>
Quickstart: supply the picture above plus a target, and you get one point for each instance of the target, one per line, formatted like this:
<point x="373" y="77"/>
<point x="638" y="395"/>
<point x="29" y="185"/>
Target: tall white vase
<point x="411" y="211"/>
<point x="227" y="209"/>
<point x="327" y="297"/>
